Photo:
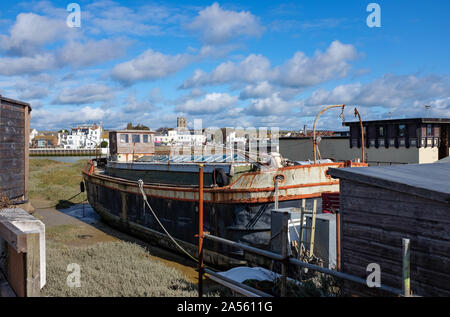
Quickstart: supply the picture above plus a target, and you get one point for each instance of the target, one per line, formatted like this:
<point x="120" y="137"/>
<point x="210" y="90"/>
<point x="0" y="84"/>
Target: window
<point x="401" y="130"/>
<point x="429" y="130"/>
<point x="145" y="138"/>
<point x="381" y="131"/>
<point x="136" y="138"/>
<point x="124" y="138"/>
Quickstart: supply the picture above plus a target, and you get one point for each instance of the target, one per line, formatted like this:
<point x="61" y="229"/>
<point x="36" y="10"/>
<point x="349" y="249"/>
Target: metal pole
<point x="313" y="229"/>
<point x="276" y="193"/>
<point x="302" y="219"/>
<point x="406" y="268"/>
<point x="200" y="232"/>
<point x="338" y="241"/>
<point x="284" y="253"/>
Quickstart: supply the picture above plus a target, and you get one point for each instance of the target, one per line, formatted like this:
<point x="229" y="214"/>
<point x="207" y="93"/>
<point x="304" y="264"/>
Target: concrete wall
<point x="301" y="149"/>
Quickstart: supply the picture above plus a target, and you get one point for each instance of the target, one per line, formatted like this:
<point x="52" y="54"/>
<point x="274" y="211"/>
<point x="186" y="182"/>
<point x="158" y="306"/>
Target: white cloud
<point x="211" y="103"/>
<point x="50" y="119"/>
<point x="32" y="31"/>
<point x="91" y="52"/>
<point x="298" y="72"/>
<point x="150" y="65"/>
<point x="252" y="69"/>
<point x="302" y="71"/>
<point x="387" y="91"/>
<point x="27" y="65"/>
<point x="217" y="25"/>
<point x="273" y="105"/>
<point x="262" y="89"/>
<point x="133" y="105"/>
<point x="89" y="93"/>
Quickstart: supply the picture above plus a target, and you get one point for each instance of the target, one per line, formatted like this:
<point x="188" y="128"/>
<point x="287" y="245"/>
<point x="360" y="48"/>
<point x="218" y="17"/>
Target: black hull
<point x="247" y="223"/>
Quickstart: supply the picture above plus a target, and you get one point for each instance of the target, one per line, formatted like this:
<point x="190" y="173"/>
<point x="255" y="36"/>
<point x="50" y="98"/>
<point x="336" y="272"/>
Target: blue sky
<point x="231" y="64"/>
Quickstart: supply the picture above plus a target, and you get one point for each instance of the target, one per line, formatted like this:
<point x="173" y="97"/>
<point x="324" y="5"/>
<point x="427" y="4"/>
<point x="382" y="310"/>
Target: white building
<point x="82" y="137"/>
<point x="33" y="134"/>
<point x="180" y="137"/>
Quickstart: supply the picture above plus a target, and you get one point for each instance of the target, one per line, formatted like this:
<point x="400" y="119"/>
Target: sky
<point x="231" y="64"/>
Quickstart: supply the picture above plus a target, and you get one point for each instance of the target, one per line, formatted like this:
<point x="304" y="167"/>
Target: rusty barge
<point x="237" y="208"/>
<point x="239" y="192"/>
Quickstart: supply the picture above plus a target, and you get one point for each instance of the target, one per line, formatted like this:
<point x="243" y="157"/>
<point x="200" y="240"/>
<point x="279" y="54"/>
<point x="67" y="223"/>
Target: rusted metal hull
<point x="238" y="212"/>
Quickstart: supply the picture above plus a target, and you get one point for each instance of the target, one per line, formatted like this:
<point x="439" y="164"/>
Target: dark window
<point x="136" y="138"/>
<point x="401" y="130"/>
<point x="124" y="138"/>
<point x="429" y="130"/>
<point x="145" y="138"/>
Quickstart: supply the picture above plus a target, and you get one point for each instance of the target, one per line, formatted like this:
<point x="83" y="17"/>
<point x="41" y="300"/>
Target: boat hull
<point x="240" y="212"/>
<point x="246" y="223"/>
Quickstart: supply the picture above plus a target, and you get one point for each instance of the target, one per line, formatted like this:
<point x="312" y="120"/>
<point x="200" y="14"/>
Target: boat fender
<point x="221" y="177"/>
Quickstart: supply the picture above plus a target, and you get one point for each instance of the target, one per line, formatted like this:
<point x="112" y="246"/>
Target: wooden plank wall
<point x="374" y="221"/>
<point x="14" y="122"/>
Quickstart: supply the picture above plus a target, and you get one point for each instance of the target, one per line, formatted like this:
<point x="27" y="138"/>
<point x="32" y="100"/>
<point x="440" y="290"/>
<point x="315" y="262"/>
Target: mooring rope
<point x="68" y="199"/>
<point x="141" y="188"/>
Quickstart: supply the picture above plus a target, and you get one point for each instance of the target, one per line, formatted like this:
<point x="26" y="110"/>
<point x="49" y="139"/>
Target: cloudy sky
<point x="232" y="64"/>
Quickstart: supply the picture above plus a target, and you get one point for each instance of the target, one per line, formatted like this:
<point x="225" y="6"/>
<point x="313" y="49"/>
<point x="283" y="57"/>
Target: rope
<point x="69" y="199"/>
<point x="141" y="188"/>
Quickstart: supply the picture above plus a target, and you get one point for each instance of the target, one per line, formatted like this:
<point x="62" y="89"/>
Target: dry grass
<point x="113" y="269"/>
<point x="55" y="181"/>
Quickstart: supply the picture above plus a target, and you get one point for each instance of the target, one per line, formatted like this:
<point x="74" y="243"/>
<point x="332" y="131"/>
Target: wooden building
<point x="380" y="206"/>
<point x="128" y="145"/>
<point x="14" y="141"/>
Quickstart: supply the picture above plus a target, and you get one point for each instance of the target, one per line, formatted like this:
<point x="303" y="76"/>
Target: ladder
<point x="301" y="250"/>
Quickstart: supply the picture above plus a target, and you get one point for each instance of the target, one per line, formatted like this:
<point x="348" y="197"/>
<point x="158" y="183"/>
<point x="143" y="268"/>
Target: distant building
<point x="44" y="139"/>
<point x="128" y="145"/>
<point x="181" y="122"/>
<point x="396" y="141"/>
<point x="81" y="137"/>
<point x="33" y="134"/>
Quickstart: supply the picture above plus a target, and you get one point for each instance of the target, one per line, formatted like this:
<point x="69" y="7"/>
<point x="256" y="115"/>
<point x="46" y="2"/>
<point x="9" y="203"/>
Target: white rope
<point x="141" y="187"/>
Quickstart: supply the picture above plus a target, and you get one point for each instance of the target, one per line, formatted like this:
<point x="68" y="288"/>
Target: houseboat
<point x="239" y="193"/>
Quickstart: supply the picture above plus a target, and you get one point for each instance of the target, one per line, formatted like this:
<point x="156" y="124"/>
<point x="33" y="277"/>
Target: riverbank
<point x="111" y="262"/>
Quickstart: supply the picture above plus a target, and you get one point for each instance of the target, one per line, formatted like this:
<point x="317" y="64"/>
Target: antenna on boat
<point x="315" y="144"/>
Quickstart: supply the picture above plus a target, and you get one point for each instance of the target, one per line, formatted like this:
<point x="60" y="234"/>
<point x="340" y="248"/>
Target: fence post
<point x="284" y="253"/>
<point x="406" y="268"/>
<point x="200" y="232"/>
<point x="313" y="229"/>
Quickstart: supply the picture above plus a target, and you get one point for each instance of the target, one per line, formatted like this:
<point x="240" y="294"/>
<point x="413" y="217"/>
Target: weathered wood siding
<point x="374" y="221"/>
<point x="14" y="135"/>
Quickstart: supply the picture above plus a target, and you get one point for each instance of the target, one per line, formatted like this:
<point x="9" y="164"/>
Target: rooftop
<point x="429" y="181"/>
